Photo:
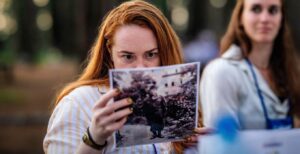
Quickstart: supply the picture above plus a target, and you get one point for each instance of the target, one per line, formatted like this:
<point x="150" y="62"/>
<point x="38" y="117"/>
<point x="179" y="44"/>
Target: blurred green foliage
<point x="10" y="96"/>
<point x="7" y="57"/>
<point x="48" y="55"/>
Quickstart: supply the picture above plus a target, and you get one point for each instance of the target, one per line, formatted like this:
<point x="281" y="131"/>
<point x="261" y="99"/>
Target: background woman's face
<point x="134" y="47"/>
<point x="261" y="20"/>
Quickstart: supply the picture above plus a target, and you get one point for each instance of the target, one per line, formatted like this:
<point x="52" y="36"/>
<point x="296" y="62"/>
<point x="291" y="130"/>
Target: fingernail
<point x="129" y="100"/>
<point x="195" y="130"/>
<point x="131" y="109"/>
<point x="118" y="90"/>
<point x="188" y="139"/>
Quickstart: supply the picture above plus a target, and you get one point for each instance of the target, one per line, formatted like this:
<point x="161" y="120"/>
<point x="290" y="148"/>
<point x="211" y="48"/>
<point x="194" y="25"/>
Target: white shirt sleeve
<point x="219" y="92"/>
<point x="70" y="119"/>
<point x="66" y="126"/>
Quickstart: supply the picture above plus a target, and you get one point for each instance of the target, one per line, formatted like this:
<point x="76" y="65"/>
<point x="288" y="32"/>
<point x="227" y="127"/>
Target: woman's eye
<point x="273" y="10"/>
<point x="150" y="55"/>
<point x="128" y="57"/>
<point x="256" y="9"/>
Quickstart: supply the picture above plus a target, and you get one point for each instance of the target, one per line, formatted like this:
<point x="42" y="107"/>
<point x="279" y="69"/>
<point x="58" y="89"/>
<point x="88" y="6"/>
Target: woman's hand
<point x="193" y="139"/>
<point x="109" y="116"/>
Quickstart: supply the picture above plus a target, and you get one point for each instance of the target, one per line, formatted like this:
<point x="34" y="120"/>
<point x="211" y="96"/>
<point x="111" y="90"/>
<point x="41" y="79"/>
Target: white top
<point x="72" y="116"/>
<point x="227" y="87"/>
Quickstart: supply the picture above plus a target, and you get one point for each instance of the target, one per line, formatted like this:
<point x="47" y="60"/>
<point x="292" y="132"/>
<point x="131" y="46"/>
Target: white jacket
<point x="227" y="87"/>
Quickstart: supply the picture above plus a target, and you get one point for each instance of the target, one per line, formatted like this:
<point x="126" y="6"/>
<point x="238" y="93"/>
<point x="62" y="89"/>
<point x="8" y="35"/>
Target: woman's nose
<point x="140" y="63"/>
<point x="265" y="16"/>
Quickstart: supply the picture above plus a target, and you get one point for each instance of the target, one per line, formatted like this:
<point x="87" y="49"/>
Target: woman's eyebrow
<point x="124" y="51"/>
<point x="130" y="52"/>
<point x="151" y="50"/>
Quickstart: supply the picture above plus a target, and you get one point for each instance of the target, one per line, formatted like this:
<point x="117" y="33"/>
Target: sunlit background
<point x="44" y="42"/>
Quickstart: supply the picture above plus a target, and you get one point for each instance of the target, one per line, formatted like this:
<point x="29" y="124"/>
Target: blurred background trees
<point x="43" y="43"/>
<point x="31" y="28"/>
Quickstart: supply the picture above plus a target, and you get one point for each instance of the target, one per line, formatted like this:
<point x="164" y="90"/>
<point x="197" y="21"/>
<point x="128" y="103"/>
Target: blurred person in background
<point x="202" y="49"/>
<point x="133" y="35"/>
<point x="256" y="79"/>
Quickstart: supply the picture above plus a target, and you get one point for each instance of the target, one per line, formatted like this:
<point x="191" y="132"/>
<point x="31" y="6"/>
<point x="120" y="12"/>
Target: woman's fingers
<point x="112" y="116"/>
<point x="193" y="139"/>
<point x="109" y="117"/>
<point x="189" y="144"/>
<point x="106" y="98"/>
<point x="115" y="126"/>
<point x="111" y="108"/>
<point x="119" y="105"/>
<point x="118" y="124"/>
<point x="115" y="116"/>
<point x="104" y="126"/>
<point x="203" y="130"/>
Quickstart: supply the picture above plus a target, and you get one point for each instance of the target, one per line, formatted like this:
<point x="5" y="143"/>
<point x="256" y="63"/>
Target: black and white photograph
<point x="165" y="103"/>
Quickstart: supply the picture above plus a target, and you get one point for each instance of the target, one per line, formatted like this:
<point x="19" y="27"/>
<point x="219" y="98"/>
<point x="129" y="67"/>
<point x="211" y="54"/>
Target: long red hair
<point x="99" y="60"/>
<point x="134" y="12"/>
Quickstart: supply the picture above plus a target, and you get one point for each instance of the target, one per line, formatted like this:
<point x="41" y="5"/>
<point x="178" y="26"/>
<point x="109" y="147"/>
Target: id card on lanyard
<point x="283" y="123"/>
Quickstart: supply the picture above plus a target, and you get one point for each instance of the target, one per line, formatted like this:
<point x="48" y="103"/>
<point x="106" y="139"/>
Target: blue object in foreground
<point x="227" y="128"/>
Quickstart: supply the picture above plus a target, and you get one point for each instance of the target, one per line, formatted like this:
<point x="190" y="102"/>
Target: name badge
<point x="285" y="123"/>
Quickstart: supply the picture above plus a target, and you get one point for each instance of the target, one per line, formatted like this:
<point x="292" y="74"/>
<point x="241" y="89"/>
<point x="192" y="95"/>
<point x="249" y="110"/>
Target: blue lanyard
<point x="261" y="98"/>
<point x="275" y="123"/>
<point x="154" y="147"/>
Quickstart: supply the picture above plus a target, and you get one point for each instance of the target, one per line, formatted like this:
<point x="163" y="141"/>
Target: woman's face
<point x="261" y="20"/>
<point x="134" y="47"/>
